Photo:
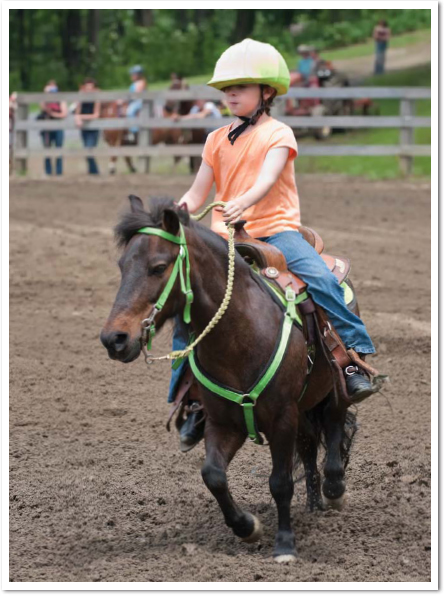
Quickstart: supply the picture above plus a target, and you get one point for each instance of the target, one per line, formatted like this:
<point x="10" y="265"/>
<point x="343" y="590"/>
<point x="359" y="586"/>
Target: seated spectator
<point x="179" y="107"/>
<point x="202" y="109"/>
<point x="87" y="111"/>
<point x="52" y="110"/>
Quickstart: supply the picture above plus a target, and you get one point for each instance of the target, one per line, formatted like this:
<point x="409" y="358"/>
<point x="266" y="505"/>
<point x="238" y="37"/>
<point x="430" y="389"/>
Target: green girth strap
<point x="248" y="400"/>
<point x="185" y="283"/>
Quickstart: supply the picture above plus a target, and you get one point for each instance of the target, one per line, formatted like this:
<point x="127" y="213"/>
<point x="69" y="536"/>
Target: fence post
<point x="406" y="136"/>
<point x="145" y="134"/>
<point x="21" y="138"/>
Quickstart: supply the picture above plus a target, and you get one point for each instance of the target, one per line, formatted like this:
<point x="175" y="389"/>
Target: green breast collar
<point x="246" y="400"/>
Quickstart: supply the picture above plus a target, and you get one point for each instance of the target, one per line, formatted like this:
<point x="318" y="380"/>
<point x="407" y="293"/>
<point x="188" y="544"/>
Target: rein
<point x="246" y="400"/>
<point x="148" y="326"/>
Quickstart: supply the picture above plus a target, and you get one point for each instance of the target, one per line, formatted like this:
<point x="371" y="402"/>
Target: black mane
<point x="132" y="221"/>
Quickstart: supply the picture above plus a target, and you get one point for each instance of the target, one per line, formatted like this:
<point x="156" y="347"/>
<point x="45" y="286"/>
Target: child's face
<point x="243" y="100"/>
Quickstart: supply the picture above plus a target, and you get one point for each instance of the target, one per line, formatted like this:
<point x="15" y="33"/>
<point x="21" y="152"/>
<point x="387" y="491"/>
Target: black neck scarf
<point x="232" y="136"/>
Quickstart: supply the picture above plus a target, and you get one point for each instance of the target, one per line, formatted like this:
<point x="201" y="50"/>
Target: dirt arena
<point x="98" y="488"/>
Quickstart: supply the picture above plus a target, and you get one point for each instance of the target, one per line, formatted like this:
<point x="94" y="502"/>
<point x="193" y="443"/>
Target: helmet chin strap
<point x="232" y="136"/>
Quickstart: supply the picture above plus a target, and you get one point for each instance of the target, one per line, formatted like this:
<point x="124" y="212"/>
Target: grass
<point x="377" y="167"/>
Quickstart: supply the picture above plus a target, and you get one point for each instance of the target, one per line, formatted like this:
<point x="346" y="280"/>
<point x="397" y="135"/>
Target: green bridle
<point x="183" y="258"/>
<point x="246" y="400"/>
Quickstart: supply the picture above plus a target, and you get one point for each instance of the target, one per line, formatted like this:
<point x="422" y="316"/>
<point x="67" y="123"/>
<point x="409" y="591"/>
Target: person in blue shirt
<point x="306" y="62"/>
<point x="138" y="85"/>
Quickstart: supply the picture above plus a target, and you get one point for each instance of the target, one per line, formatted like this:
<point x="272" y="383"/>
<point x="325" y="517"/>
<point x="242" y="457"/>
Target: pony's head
<point x="146" y="264"/>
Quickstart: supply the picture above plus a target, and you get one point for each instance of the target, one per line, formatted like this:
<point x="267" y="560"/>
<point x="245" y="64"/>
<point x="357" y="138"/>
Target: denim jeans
<point x="380" y="47"/>
<point x="323" y="286"/>
<point x="53" y="137"/>
<point x="90" y="138"/>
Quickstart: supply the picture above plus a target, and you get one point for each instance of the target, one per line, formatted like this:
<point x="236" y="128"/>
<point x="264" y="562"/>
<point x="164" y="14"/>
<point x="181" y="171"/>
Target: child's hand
<point x="233" y="210"/>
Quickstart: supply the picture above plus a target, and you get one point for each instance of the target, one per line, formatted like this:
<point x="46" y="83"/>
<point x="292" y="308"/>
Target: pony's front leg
<point x="282" y="447"/>
<point x="221" y="444"/>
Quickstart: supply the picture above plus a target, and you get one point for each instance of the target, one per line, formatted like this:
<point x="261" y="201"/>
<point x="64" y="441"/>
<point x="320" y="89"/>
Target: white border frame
<point x="219" y="586"/>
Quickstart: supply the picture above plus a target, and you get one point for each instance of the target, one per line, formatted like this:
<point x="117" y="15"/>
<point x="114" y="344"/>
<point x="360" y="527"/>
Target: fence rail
<point x="407" y="122"/>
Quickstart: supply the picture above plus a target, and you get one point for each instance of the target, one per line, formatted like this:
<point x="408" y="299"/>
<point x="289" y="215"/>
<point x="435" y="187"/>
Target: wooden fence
<point x="146" y="122"/>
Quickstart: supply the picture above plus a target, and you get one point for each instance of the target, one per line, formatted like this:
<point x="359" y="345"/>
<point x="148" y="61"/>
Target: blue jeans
<point x="53" y="137"/>
<point x="322" y="285"/>
<point x="381" y="47"/>
<point x="90" y="138"/>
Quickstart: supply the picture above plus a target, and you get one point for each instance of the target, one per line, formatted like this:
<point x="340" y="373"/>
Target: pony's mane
<point x="132" y="221"/>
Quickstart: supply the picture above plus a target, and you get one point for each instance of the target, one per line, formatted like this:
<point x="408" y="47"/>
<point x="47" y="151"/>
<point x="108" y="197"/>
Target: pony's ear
<point x="170" y="221"/>
<point x="136" y="203"/>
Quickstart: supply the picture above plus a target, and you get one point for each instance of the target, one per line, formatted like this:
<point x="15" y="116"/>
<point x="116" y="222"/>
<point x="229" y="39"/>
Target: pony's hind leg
<point x="307" y="446"/>
<point x="129" y="163"/>
<point x="221" y="444"/>
<point x="112" y="164"/>
<point x="333" y="487"/>
<point x="282" y="447"/>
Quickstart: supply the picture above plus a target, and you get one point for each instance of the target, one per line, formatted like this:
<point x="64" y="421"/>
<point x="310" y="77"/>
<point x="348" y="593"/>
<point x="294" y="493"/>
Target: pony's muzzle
<point x="116" y="342"/>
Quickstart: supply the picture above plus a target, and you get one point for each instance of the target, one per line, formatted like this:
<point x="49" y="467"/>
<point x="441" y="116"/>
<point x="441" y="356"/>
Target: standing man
<point x="381" y="35"/>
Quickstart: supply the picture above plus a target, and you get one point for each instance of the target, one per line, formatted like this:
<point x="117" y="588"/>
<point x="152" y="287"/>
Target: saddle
<point x="272" y="263"/>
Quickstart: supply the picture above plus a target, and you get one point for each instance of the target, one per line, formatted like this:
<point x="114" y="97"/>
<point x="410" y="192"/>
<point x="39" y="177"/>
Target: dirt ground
<point x="98" y="488"/>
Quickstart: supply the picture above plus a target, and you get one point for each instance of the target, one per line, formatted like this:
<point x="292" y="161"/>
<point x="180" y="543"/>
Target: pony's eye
<point x="158" y="270"/>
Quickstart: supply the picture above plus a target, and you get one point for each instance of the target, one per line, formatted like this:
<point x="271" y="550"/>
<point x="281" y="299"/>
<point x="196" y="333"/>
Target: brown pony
<point x="169" y="136"/>
<point x="117" y="137"/>
<point x="235" y="354"/>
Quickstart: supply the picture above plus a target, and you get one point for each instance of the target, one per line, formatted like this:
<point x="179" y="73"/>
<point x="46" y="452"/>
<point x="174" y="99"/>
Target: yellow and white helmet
<point x="251" y="61"/>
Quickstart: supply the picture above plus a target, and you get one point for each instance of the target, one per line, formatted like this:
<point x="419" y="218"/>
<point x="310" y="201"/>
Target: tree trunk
<point x="71" y="26"/>
<point x="22" y="50"/>
<point x="182" y="18"/>
<point x="144" y="18"/>
<point x="245" y="19"/>
<point x="93" y="27"/>
<point x="202" y="15"/>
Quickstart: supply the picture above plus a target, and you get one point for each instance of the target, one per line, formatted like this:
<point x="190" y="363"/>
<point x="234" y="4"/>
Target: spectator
<point x="178" y="83"/>
<point x="381" y="35"/>
<point x="133" y="108"/>
<point x="52" y="111"/>
<point x="85" y="112"/>
<point x="12" y="110"/>
<point x="202" y="109"/>
<point x="306" y="62"/>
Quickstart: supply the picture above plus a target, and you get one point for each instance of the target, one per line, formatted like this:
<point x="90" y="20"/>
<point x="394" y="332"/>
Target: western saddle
<point x="272" y="263"/>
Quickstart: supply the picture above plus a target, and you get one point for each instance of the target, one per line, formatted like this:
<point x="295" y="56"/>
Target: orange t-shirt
<point x="236" y="169"/>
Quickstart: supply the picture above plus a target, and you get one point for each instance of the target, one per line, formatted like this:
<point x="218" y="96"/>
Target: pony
<point x="168" y="136"/>
<point x="234" y="354"/>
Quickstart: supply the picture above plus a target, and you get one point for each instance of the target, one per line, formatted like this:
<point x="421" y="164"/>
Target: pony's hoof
<point x="285" y="558"/>
<point x="337" y="504"/>
<point x="257" y="530"/>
